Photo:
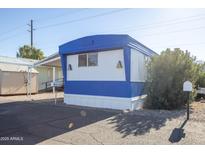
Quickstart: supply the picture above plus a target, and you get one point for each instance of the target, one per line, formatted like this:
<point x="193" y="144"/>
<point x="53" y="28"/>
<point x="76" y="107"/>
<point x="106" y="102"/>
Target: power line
<point x="22" y="26"/>
<point x="13" y="29"/>
<point x="187" y="44"/>
<point x="138" y="27"/>
<point x="61" y="15"/>
<point x="107" y="13"/>
<point x="202" y="27"/>
<point x="176" y="31"/>
<point x="82" y="19"/>
<point x="149" y="26"/>
<point x="10" y="37"/>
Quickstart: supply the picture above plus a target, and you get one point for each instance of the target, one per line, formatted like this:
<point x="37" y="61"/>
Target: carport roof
<point x="52" y="60"/>
<point x="18" y="61"/>
<point x="15" y="68"/>
<point x="11" y="64"/>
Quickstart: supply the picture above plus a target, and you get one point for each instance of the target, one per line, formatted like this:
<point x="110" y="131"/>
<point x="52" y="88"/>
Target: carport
<point x="54" y="62"/>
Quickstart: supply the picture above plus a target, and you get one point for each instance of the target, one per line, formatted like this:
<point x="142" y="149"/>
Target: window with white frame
<point x="88" y="59"/>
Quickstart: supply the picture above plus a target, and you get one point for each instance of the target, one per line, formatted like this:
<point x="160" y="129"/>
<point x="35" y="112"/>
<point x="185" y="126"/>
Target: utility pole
<point x="31" y="31"/>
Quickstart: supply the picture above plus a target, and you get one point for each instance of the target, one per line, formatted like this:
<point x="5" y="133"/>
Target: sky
<point x="158" y="29"/>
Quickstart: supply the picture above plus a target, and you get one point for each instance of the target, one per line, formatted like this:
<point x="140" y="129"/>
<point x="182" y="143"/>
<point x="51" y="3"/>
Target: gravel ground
<point x="137" y="127"/>
<point x="141" y="127"/>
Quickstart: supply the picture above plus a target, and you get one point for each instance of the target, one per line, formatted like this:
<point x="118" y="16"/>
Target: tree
<point x="30" y="52"/>
<point x="166" y="75"/>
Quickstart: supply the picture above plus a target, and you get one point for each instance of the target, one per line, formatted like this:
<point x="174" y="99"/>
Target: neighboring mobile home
<point x="106" y="71"/>
<point x="13" y="76"/>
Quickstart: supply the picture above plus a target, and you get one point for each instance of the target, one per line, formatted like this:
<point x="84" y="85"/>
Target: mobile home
<point x="105" y="71"/>
<point x="14" y="76"/>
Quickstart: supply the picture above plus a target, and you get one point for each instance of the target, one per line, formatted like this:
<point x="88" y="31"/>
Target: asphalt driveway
<point x="42" y="122"/>
<point x="31" y="123"/>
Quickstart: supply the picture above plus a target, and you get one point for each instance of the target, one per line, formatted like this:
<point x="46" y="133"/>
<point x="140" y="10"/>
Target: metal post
<point x="54" y="90"/>
<point x="188" y="105"/>
<point x="187" y="88"/>
<point x="28" y="82"/>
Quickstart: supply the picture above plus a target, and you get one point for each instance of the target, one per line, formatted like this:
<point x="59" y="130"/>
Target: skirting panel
<point x="119" y="103"/>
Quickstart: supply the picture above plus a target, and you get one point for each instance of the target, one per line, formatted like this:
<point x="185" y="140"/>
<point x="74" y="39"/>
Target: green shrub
<point x="166" y="75"/>
<point x="201" y="78"/>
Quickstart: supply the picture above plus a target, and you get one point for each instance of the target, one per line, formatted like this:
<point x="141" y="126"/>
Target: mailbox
<point x="187" y="86"/>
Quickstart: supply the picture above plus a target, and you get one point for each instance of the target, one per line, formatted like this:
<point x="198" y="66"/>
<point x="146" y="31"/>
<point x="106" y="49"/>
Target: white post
<point x="28" y="82"/>
<point x="54" y="76"/>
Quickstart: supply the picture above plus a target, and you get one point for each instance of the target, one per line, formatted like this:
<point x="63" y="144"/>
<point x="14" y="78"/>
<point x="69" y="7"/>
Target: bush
<point x="166" y="75"/>
<point x="201" y="78"/>
<point x="201" y="81"/>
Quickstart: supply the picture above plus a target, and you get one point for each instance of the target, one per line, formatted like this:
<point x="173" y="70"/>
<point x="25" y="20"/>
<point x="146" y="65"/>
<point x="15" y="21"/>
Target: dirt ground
<point x="34" y="97"/>
<point x="42" y="122"/>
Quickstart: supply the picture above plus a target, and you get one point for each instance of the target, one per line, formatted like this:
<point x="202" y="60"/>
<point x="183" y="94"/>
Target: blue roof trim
<point x="98" y="43"/>
<point x="140" y="45"/>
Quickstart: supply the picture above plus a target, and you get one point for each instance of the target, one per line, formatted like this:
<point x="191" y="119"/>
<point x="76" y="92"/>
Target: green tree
<point x="166" y="75"/>
<point x="30" y="52"/>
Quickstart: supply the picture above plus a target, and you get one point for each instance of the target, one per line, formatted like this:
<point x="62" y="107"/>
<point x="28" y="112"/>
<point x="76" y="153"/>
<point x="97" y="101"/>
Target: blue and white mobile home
<point x="106" y="71"/>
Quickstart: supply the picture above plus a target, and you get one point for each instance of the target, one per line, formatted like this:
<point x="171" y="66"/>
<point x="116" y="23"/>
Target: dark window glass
<point x="82" y="60"/>
<point x="92" y="59"/>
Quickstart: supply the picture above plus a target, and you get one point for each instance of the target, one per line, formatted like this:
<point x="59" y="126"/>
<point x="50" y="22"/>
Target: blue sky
<point x="156" y="28"/>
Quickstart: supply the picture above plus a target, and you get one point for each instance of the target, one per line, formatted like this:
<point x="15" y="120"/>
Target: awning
<point x="52" y="61"/>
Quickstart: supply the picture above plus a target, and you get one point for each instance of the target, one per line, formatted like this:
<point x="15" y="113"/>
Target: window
<point x="82" y="60"/>
<point x="92" y="59"/>
<point x="88" y="59"/>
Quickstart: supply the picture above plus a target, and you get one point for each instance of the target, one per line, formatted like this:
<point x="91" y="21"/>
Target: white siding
<point x="138" y="69"/>
<point x="106" y="70"/>
<point x="46" y="74"/>
<point x="105" y="101"/>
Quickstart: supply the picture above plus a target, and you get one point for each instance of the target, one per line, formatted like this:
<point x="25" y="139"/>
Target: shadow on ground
<point x="34" y="122"/>
<point x="140" y="122"/>
<point x="178" y="133"/>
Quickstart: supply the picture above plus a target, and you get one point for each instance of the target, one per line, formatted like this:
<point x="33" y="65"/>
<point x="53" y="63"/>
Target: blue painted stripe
<point x="127" y="59"/>
<point x="105" y="88"/>
<point x="99" y="88"/>
<point x="63" y="65"/>
<point x="137" y="89"/>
